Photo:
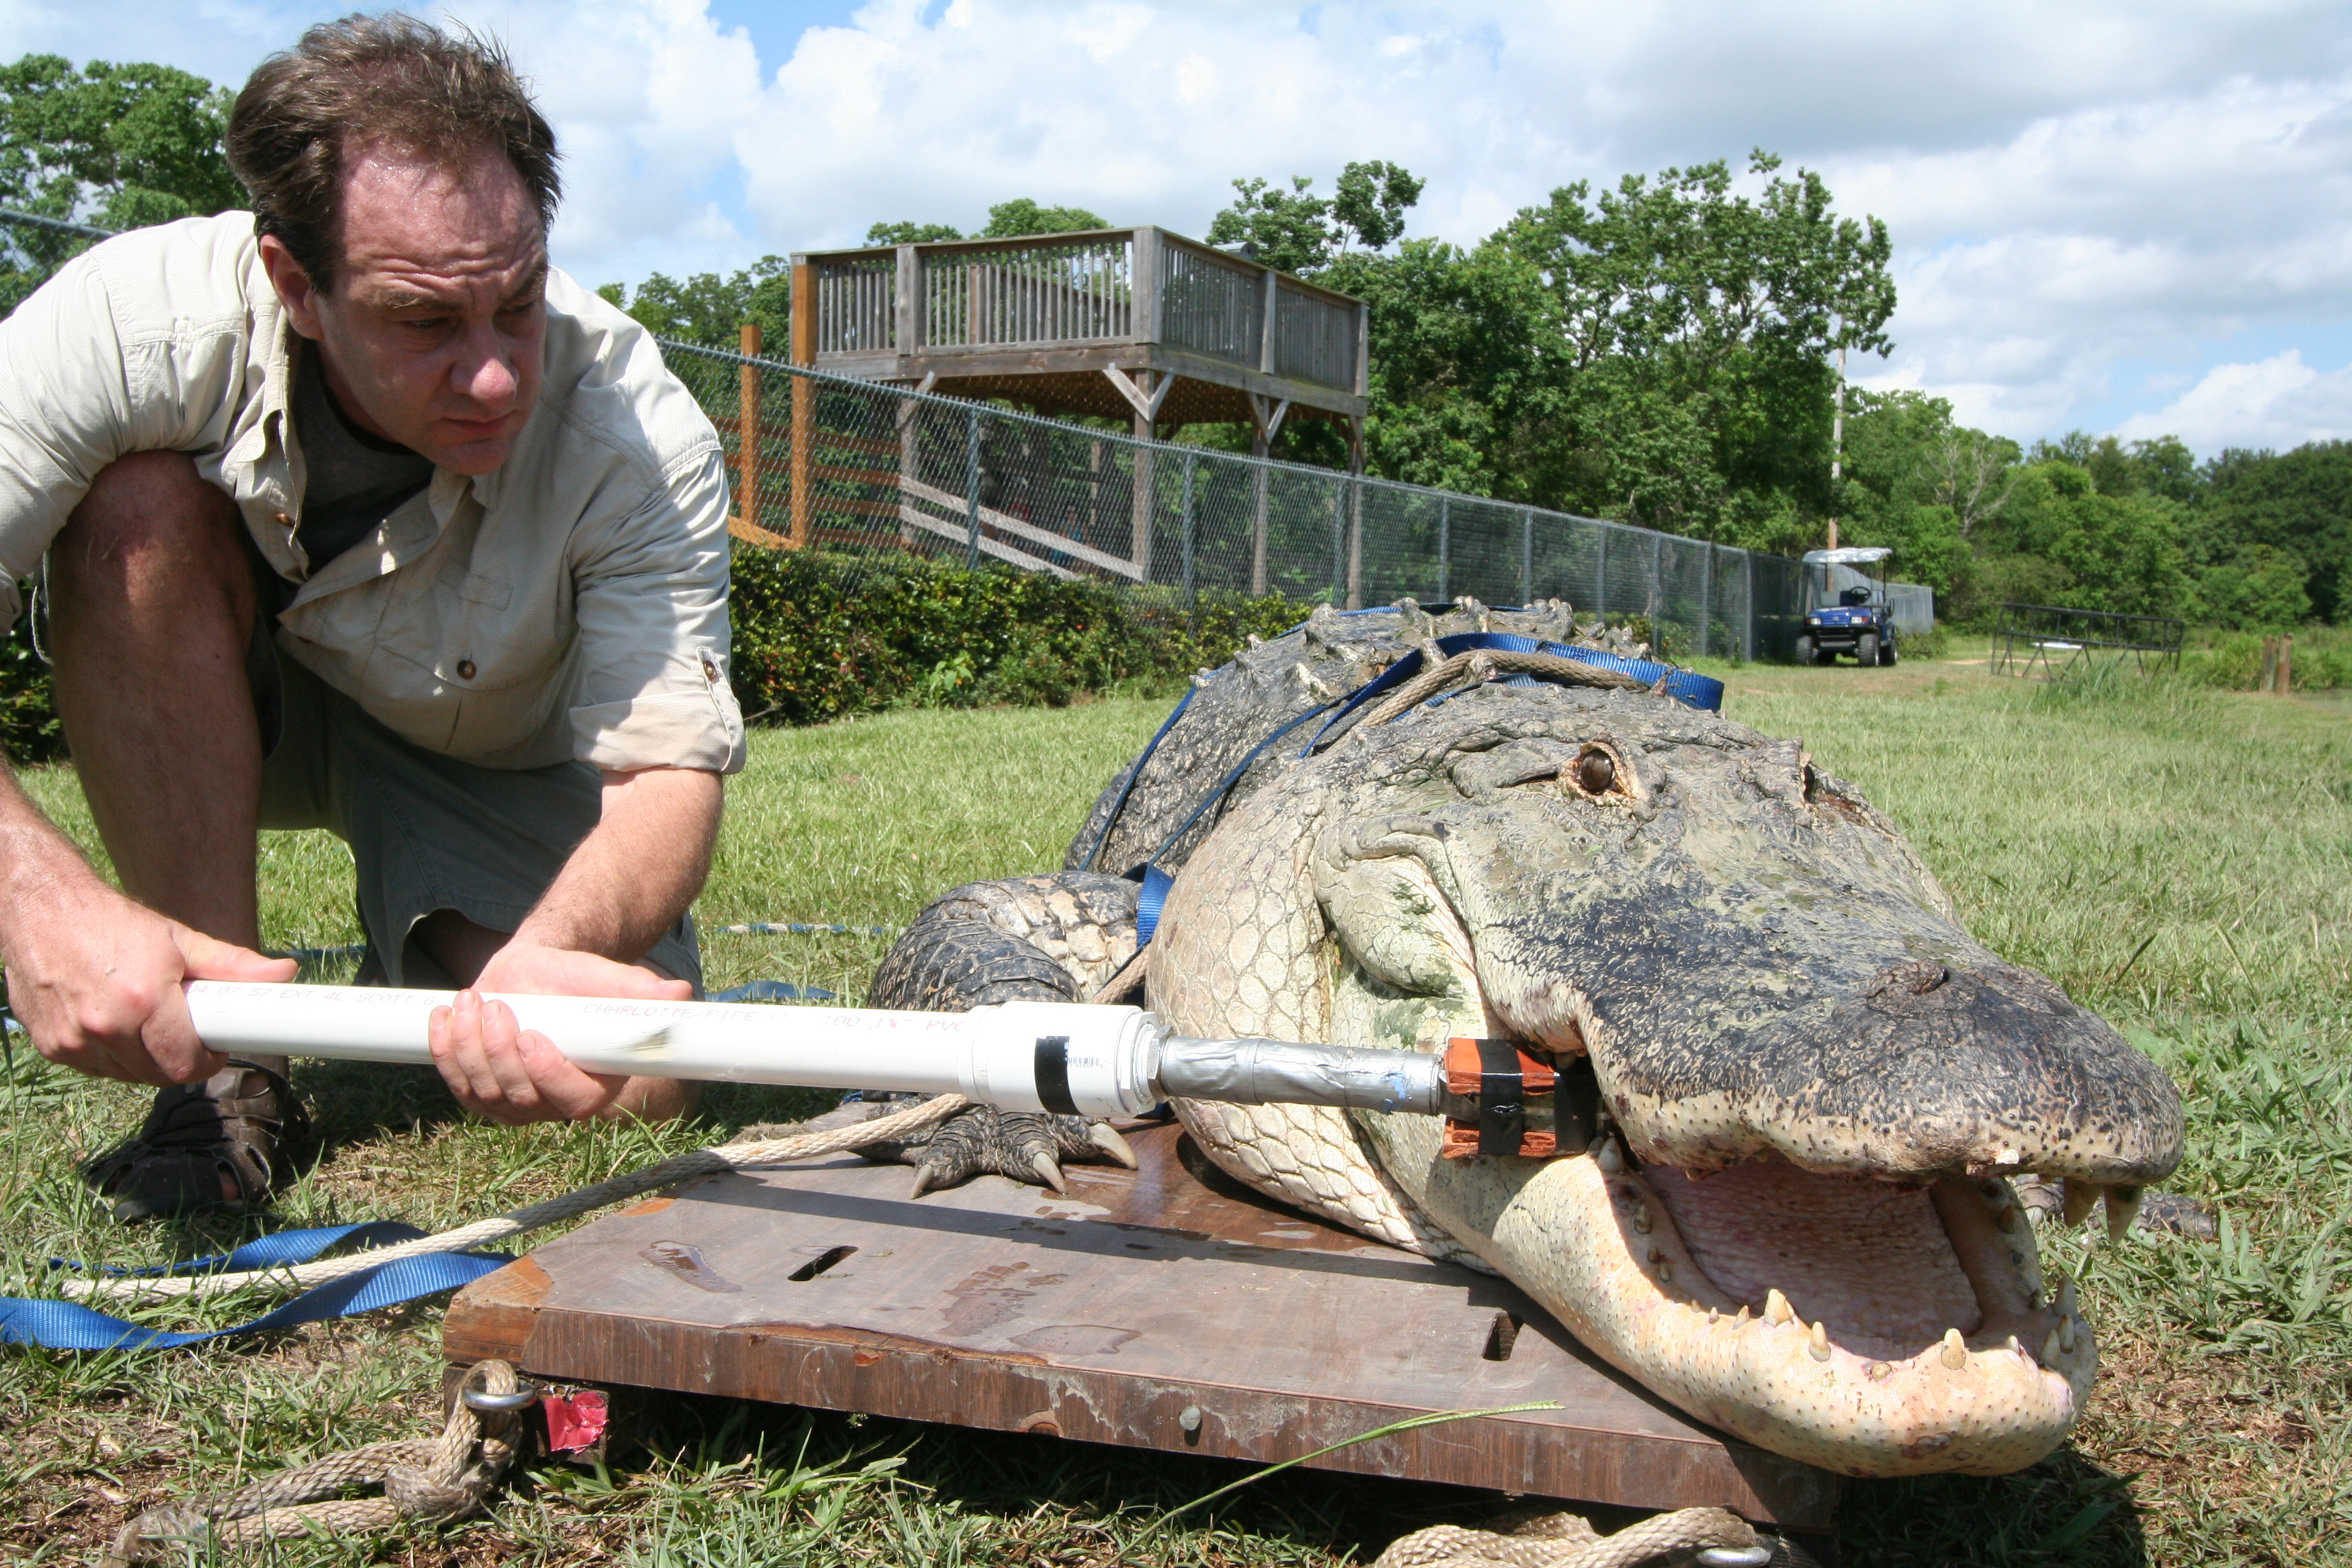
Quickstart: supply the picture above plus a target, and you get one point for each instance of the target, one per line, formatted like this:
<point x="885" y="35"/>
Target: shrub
<point x="819" y="634"/>
<point x="822" y="634"/>
<point x="2233" y="660"/>
<point x="29" y="731"/>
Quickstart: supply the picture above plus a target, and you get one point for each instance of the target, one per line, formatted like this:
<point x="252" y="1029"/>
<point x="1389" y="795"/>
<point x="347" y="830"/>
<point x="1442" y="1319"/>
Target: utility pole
<point x="1837" y="445"/>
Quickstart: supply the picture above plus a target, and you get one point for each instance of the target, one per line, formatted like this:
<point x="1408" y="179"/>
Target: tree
<point x="2299" y="503"/>
<point x="1006" y="220"/>
<point x="709" y="310"/>
<point x="1677" y="307"/>
<point x="1010" y="220"/>
<point x="911" y="233"/>
<point x="118" y="146"/>
<point x="1296" y="232"/>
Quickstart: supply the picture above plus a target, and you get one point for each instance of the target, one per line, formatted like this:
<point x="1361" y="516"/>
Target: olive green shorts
<point x="426" y="832"/>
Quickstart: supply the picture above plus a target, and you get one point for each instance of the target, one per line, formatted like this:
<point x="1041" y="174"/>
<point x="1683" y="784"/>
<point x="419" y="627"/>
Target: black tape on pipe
<point x="1054" y="1074"/>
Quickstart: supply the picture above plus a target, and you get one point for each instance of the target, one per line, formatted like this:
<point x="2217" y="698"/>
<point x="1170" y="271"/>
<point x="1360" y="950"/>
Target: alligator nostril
<point x="1930" y="976"/>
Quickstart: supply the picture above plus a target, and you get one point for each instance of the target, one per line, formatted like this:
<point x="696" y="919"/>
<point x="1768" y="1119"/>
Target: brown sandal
<point x="221" y="1146"/>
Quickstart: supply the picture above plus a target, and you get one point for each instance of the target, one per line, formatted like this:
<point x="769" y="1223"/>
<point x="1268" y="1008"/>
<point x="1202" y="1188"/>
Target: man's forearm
<point x="38" y="861"/>
<point x="639" y="868"/>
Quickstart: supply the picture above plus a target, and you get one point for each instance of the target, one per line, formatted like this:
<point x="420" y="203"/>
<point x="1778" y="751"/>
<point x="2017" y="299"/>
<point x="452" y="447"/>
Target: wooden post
<point x="804" y="353"/>
<point x="2285" y="665"/>
<point x="2268" y="675"/>
<point x="747" y="448"/>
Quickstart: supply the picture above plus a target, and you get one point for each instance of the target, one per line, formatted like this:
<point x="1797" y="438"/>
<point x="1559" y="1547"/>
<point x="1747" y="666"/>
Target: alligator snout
<point x="1927" y="1069"/>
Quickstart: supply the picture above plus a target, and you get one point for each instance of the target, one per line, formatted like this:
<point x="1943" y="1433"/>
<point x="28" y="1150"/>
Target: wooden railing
<point x="1102" y="286"/>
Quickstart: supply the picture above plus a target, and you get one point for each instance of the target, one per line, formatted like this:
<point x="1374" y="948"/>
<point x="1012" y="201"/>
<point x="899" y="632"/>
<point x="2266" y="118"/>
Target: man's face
<point x="433" y="333"/>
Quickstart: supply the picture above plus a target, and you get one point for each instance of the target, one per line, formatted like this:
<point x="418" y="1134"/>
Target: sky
<point x="2118" y="217"/>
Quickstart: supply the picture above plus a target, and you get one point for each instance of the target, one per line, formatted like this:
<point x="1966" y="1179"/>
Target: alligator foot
<point x="1026" y="1146"/>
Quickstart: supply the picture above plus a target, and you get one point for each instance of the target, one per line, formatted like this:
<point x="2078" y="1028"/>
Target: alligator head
<point x="1798" y="1225"/>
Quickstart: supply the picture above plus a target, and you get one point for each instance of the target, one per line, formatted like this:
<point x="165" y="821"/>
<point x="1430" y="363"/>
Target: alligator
<point x="1796" y="1221"/>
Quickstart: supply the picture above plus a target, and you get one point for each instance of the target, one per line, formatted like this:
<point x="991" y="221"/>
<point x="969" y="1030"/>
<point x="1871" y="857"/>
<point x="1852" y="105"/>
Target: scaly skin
<point x="1798" y="1227"/>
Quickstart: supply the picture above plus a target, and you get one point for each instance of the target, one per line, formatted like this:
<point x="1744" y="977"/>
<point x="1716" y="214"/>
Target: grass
<point x="2179" y="858"/>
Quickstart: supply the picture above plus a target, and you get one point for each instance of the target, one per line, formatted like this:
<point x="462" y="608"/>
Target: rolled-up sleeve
<point x="67" y="408"/>
<point x="651" y="690"/>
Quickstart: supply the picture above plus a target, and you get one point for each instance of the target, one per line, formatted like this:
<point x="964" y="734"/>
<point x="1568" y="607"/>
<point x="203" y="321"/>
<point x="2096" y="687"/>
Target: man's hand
<point x="501" y="1071"/>
<point x="95" y="978"/>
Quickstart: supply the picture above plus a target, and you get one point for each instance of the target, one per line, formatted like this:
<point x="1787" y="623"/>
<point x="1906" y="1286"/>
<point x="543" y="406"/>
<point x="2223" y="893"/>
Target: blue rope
<point x="70" y="1326"/>
<point x="1692" y="691"/>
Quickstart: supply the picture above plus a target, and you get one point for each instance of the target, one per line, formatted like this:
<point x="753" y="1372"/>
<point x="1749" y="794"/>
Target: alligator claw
<point x="1105" y="1138"/>
<point x="1049" y="1173"/>
<point x="929" y="1175"/>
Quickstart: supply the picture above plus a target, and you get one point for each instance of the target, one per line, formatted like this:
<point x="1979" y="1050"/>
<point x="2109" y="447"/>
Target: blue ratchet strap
<point x="1126" y="785"/>
<point x="70" y="1326"/>
<point x="1156" y="882"/>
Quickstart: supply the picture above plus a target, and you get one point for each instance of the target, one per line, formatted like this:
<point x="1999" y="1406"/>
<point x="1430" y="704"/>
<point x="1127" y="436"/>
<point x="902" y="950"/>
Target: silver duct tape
<point x="1288" y="1072"/>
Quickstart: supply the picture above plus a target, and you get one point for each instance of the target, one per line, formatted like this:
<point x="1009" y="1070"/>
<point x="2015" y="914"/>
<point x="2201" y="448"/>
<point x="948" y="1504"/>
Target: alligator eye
<point x="1596" y="772"/>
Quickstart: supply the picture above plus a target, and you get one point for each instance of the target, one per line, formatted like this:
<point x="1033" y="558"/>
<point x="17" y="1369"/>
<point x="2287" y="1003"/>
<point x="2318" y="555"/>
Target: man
<point x="358" y="515"/>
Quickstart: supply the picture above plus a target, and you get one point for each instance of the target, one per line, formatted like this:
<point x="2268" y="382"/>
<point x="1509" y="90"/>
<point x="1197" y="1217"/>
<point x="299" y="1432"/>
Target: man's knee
<point x="150" y="531"/>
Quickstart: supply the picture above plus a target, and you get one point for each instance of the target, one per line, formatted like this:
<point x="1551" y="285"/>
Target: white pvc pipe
<point x="1106" y="1057"/>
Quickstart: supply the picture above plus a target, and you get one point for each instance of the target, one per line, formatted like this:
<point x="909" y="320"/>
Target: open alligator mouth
<point x="1871" y="1327"/>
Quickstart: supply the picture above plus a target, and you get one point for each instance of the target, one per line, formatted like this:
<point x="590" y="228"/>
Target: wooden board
<point x="1104" y="1316"/>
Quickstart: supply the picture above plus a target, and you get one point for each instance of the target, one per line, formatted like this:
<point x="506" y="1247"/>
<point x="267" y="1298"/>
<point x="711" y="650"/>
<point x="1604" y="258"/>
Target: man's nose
<point x="484" y="370"/>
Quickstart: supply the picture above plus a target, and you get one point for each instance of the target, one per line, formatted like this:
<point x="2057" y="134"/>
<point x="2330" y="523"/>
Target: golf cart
<point x="1849" y="619"/>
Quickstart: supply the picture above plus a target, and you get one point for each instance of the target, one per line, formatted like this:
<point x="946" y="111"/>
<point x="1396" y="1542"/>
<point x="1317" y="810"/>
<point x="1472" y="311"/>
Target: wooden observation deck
<point x="1122" y="322"/>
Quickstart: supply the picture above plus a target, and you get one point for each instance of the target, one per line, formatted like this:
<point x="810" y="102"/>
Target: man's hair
<point x="376" y="81"/>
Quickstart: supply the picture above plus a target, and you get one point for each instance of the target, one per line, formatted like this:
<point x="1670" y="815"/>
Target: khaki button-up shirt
<point x="572" y="605"/>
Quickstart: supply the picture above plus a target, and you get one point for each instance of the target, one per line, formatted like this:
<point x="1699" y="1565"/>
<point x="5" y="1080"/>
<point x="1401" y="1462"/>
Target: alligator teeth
<point x="2050" y="1348"/>
<point x="1606" y="1155"/>
<point x="2123" y="1207"/>
<point x="1956" y="1349"/>
<point x="1641" y="1220"/>
<point x="1819" y="1347"/>
<point x="2014" y="1347"/>
<point x="1711" y="1316"/>
<point x="2007" y="1218"/>
<point x="1107" y="1139"/>
<point x="2081" y="1198"/>
<point x="2066" y="1302"/>
<point x="1665" y="1273"/>
<point x="1740" y="1321"/>
<point x="2066" y="1335"/>
<point x="1777" y="1311"/>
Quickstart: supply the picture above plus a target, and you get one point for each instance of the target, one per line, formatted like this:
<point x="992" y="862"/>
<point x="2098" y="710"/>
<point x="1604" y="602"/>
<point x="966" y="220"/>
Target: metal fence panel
<point x="872" y="470"/>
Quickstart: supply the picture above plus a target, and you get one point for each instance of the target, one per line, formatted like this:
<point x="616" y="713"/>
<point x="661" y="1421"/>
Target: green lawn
<point x="2181" y="858"/>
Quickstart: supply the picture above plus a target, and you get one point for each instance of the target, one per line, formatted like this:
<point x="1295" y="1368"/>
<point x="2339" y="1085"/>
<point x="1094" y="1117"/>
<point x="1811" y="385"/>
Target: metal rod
<point x="1188" y="529"/>
<point x="57" y="224"/>
<point x="1444" y="549"/>
<point x="971" y="487"/>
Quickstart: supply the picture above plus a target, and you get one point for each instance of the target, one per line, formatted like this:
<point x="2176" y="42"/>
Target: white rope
<point x="481" y="1233"/>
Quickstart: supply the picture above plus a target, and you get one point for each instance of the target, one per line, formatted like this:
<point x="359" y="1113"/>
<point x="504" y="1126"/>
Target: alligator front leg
<point x="1025" y="938"/>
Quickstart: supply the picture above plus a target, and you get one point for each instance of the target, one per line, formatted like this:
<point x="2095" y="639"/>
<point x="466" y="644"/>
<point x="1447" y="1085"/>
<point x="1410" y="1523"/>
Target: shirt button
<point x="465" y="669"/>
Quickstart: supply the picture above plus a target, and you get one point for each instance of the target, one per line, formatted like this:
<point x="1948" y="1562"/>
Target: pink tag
<point x="576" y="1421"/>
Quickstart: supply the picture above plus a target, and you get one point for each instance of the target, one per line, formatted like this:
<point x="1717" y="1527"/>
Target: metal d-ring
<point x="484" y="1400"/>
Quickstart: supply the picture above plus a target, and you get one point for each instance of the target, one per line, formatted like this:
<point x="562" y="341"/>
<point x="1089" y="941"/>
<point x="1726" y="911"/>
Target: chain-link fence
<point x="855" y="467"/>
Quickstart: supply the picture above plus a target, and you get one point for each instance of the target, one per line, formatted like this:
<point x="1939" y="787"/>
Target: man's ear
<point x="293" y="285"/>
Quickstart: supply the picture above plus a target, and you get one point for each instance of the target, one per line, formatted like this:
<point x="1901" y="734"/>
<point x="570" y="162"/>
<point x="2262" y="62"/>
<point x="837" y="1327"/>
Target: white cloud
<point x="2279" y="401"/>
<point x="2087" y="201"/>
